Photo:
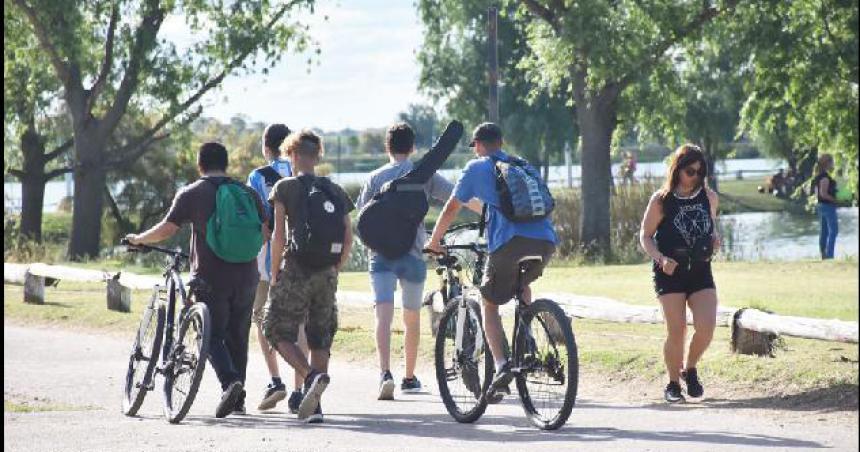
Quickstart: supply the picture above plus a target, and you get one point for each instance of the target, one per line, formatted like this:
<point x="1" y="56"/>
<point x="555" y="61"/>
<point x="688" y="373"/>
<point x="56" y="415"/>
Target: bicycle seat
<point x="526" y="262"/>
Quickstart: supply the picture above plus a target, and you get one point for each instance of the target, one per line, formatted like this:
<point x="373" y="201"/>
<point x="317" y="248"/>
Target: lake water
<point x="784" y="236"/>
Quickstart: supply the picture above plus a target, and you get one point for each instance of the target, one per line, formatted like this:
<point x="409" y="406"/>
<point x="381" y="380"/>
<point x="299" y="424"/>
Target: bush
<point x="626" y="209"/>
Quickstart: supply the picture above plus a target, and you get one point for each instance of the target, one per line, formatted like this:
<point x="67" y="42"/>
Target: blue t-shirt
<point x="258" y="183"/>
<point x="479" y="181"/>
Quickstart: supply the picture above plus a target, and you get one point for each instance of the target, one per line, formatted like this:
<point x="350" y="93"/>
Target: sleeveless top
<point x="831" y="189"/>
<point x="686" y="223"/>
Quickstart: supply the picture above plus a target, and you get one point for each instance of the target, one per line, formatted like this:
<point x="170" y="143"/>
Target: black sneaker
<point x="315" y="384"/>
<point x="272" y="395"/>
<point x="317" y="416"/>
<point x="694" y="386"/>
<point x="411" y="385"/>
<point x="228" y="399"/>
<point x="673" y="393"/>
<point x="386" y="386"/>
<point x="294" y="401"/>
<point x="240" y="404"/>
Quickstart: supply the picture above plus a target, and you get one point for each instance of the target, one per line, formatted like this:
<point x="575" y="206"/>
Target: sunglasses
<point x="691" y="172"/>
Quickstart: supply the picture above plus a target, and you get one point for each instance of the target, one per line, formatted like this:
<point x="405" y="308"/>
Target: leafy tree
<point x="38" y="138"/>
<point x="425" y="123"/>
<point x="108" y="58"/>
<point x="803" y="95"/>
<point x="596" y="50"/>
<point x="371" y="141"/>
<point x="453" y="70"/>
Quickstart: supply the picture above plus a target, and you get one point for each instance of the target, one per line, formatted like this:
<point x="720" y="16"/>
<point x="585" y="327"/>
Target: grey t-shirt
<point x="436" y="188"/>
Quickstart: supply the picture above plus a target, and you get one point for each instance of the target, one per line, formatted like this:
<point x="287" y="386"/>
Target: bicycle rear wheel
<point x="187" y="362"/>
<point x="144" y="356"/>
<point x="463" y="376"/>
<point x="546" y="351"/>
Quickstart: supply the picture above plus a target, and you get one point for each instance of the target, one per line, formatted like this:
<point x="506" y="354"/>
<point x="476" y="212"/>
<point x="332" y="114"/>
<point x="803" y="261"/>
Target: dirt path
<point x="85" y="370"/>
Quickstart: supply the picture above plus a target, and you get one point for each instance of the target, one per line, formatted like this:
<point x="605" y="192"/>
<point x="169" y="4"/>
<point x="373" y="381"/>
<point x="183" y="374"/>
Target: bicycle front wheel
<point x="546" y="351"/>
<point x="187" y="362"/>
<point x="463" y="373"/>
<point x="143" y="357"/>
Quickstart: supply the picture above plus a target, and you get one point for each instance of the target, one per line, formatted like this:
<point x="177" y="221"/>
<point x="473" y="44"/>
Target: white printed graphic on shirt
<point x="692" y="222"/>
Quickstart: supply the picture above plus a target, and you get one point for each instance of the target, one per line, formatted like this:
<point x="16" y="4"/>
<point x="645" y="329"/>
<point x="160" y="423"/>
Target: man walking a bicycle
<point x="232" y="283"/>
<point x="509" y="241"/>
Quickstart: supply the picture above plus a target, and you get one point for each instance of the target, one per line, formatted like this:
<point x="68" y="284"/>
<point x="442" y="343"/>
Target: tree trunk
<point x="711" y="161"/>
<point x="32" y="184"/>
<point x="90" y="178"/>
<point x="597" y="121"/>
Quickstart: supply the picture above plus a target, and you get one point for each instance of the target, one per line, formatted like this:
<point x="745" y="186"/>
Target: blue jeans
<point x="829" y="229"/>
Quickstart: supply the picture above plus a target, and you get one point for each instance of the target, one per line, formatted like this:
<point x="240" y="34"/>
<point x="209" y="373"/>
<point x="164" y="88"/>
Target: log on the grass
<point x="823" y="329"/>
<point x="14" y="273"/>
<point x="60" y="272"/>
<point x="599" y="308"/>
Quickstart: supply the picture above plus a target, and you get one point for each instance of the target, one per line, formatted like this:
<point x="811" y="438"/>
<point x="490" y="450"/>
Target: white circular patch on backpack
<point x="328" y="206"/>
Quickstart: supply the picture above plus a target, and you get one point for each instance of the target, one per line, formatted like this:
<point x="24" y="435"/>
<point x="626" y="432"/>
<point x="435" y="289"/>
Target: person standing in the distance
<point x="678" y="232"/>
<point x="262" y="180"/>
<point x="824" y="188"/>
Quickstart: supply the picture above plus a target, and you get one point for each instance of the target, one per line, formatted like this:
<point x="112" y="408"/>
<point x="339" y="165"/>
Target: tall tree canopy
<point x="592" y="51"/>
<point x="109" y="57"/>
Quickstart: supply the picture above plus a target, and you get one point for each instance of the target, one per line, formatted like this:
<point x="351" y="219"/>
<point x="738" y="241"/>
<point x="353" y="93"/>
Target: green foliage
<point x="803" y="96"/>
<point x="536" y="121"/>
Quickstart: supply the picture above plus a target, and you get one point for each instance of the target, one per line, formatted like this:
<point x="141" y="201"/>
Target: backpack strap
<point x="270" y="175"/>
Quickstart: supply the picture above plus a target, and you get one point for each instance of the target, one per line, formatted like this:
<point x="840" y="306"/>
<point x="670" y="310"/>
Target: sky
<point x="366" y="74"/>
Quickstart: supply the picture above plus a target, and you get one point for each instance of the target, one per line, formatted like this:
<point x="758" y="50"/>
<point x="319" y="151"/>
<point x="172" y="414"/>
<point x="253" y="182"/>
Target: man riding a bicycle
<point x="508" y="241"/>
<point x="233" y="285"/>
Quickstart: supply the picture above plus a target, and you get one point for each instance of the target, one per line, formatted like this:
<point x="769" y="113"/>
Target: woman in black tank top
<point x="678" y="232"/>
<point x="825" y="189"/>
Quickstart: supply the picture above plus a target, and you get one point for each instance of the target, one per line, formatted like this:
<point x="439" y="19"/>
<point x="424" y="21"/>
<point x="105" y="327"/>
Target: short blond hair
<point x="304" y="142"/>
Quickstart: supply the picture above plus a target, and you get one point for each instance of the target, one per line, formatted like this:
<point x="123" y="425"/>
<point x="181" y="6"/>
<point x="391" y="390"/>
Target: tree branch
<point x="139" y="146"/>
<point x="57" y="172"/>
<point x="707" y="14"/>
<point x="107" y="62"/>
<point x="60" y="66"/>
<point x="544" y="13"/>
<point x="60" y="150"/>
<point x="211" y="83"/>
<point x="16" y="172"/>
<point x="145" y="36"/>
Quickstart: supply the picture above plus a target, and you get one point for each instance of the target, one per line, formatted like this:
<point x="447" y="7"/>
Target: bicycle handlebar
<point x="147" y="248"/>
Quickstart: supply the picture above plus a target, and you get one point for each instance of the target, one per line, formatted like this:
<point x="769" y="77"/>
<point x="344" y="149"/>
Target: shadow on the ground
<point x="496" y="428"/>
<point x="836" y="398"/>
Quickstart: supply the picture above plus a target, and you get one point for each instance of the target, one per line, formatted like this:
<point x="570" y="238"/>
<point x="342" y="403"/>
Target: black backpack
<point x="389" y="223"/>
<point x="270" y="177"/>
<point x="317" y="231"/>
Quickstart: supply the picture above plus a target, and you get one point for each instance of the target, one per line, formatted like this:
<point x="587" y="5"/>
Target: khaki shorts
<point x="260" y="298"/>
<point x="300" y="296"/>
<point x="500" y="274"/>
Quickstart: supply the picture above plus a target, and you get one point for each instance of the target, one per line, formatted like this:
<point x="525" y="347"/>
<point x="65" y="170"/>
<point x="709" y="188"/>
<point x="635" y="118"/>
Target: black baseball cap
<point x="487" y="132"/>
<point x="275" y="135"/>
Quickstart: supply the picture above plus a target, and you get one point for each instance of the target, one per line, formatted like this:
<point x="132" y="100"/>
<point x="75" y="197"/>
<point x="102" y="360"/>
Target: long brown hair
<point x="684" y="156"/>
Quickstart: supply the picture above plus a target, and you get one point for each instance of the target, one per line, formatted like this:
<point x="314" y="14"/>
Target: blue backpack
<point x="523" y="194"/>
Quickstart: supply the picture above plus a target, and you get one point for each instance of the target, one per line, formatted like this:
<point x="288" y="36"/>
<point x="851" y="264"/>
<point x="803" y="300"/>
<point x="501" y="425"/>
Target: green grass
<point x="616" y="352"/>
<point x="738" y="196"/>
<point x="805" y="288"/>
<point x="18" y="405"/>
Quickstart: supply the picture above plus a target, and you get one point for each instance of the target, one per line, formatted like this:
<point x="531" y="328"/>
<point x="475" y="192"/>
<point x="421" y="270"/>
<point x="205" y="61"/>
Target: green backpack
<point x="233" y="231"/>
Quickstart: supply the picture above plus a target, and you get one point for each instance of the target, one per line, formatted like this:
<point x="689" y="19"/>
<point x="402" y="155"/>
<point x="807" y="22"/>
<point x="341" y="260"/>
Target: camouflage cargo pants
<point x="302" y="296"/>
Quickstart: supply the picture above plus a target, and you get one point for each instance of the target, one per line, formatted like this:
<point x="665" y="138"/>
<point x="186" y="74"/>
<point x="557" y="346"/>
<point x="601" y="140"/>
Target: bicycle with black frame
<point x="170" y="343"/>
<point x="543" y="358"/>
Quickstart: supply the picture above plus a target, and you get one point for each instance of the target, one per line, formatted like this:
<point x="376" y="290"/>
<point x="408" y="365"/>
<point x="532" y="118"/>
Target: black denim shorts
<point x="686" y="279"/>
